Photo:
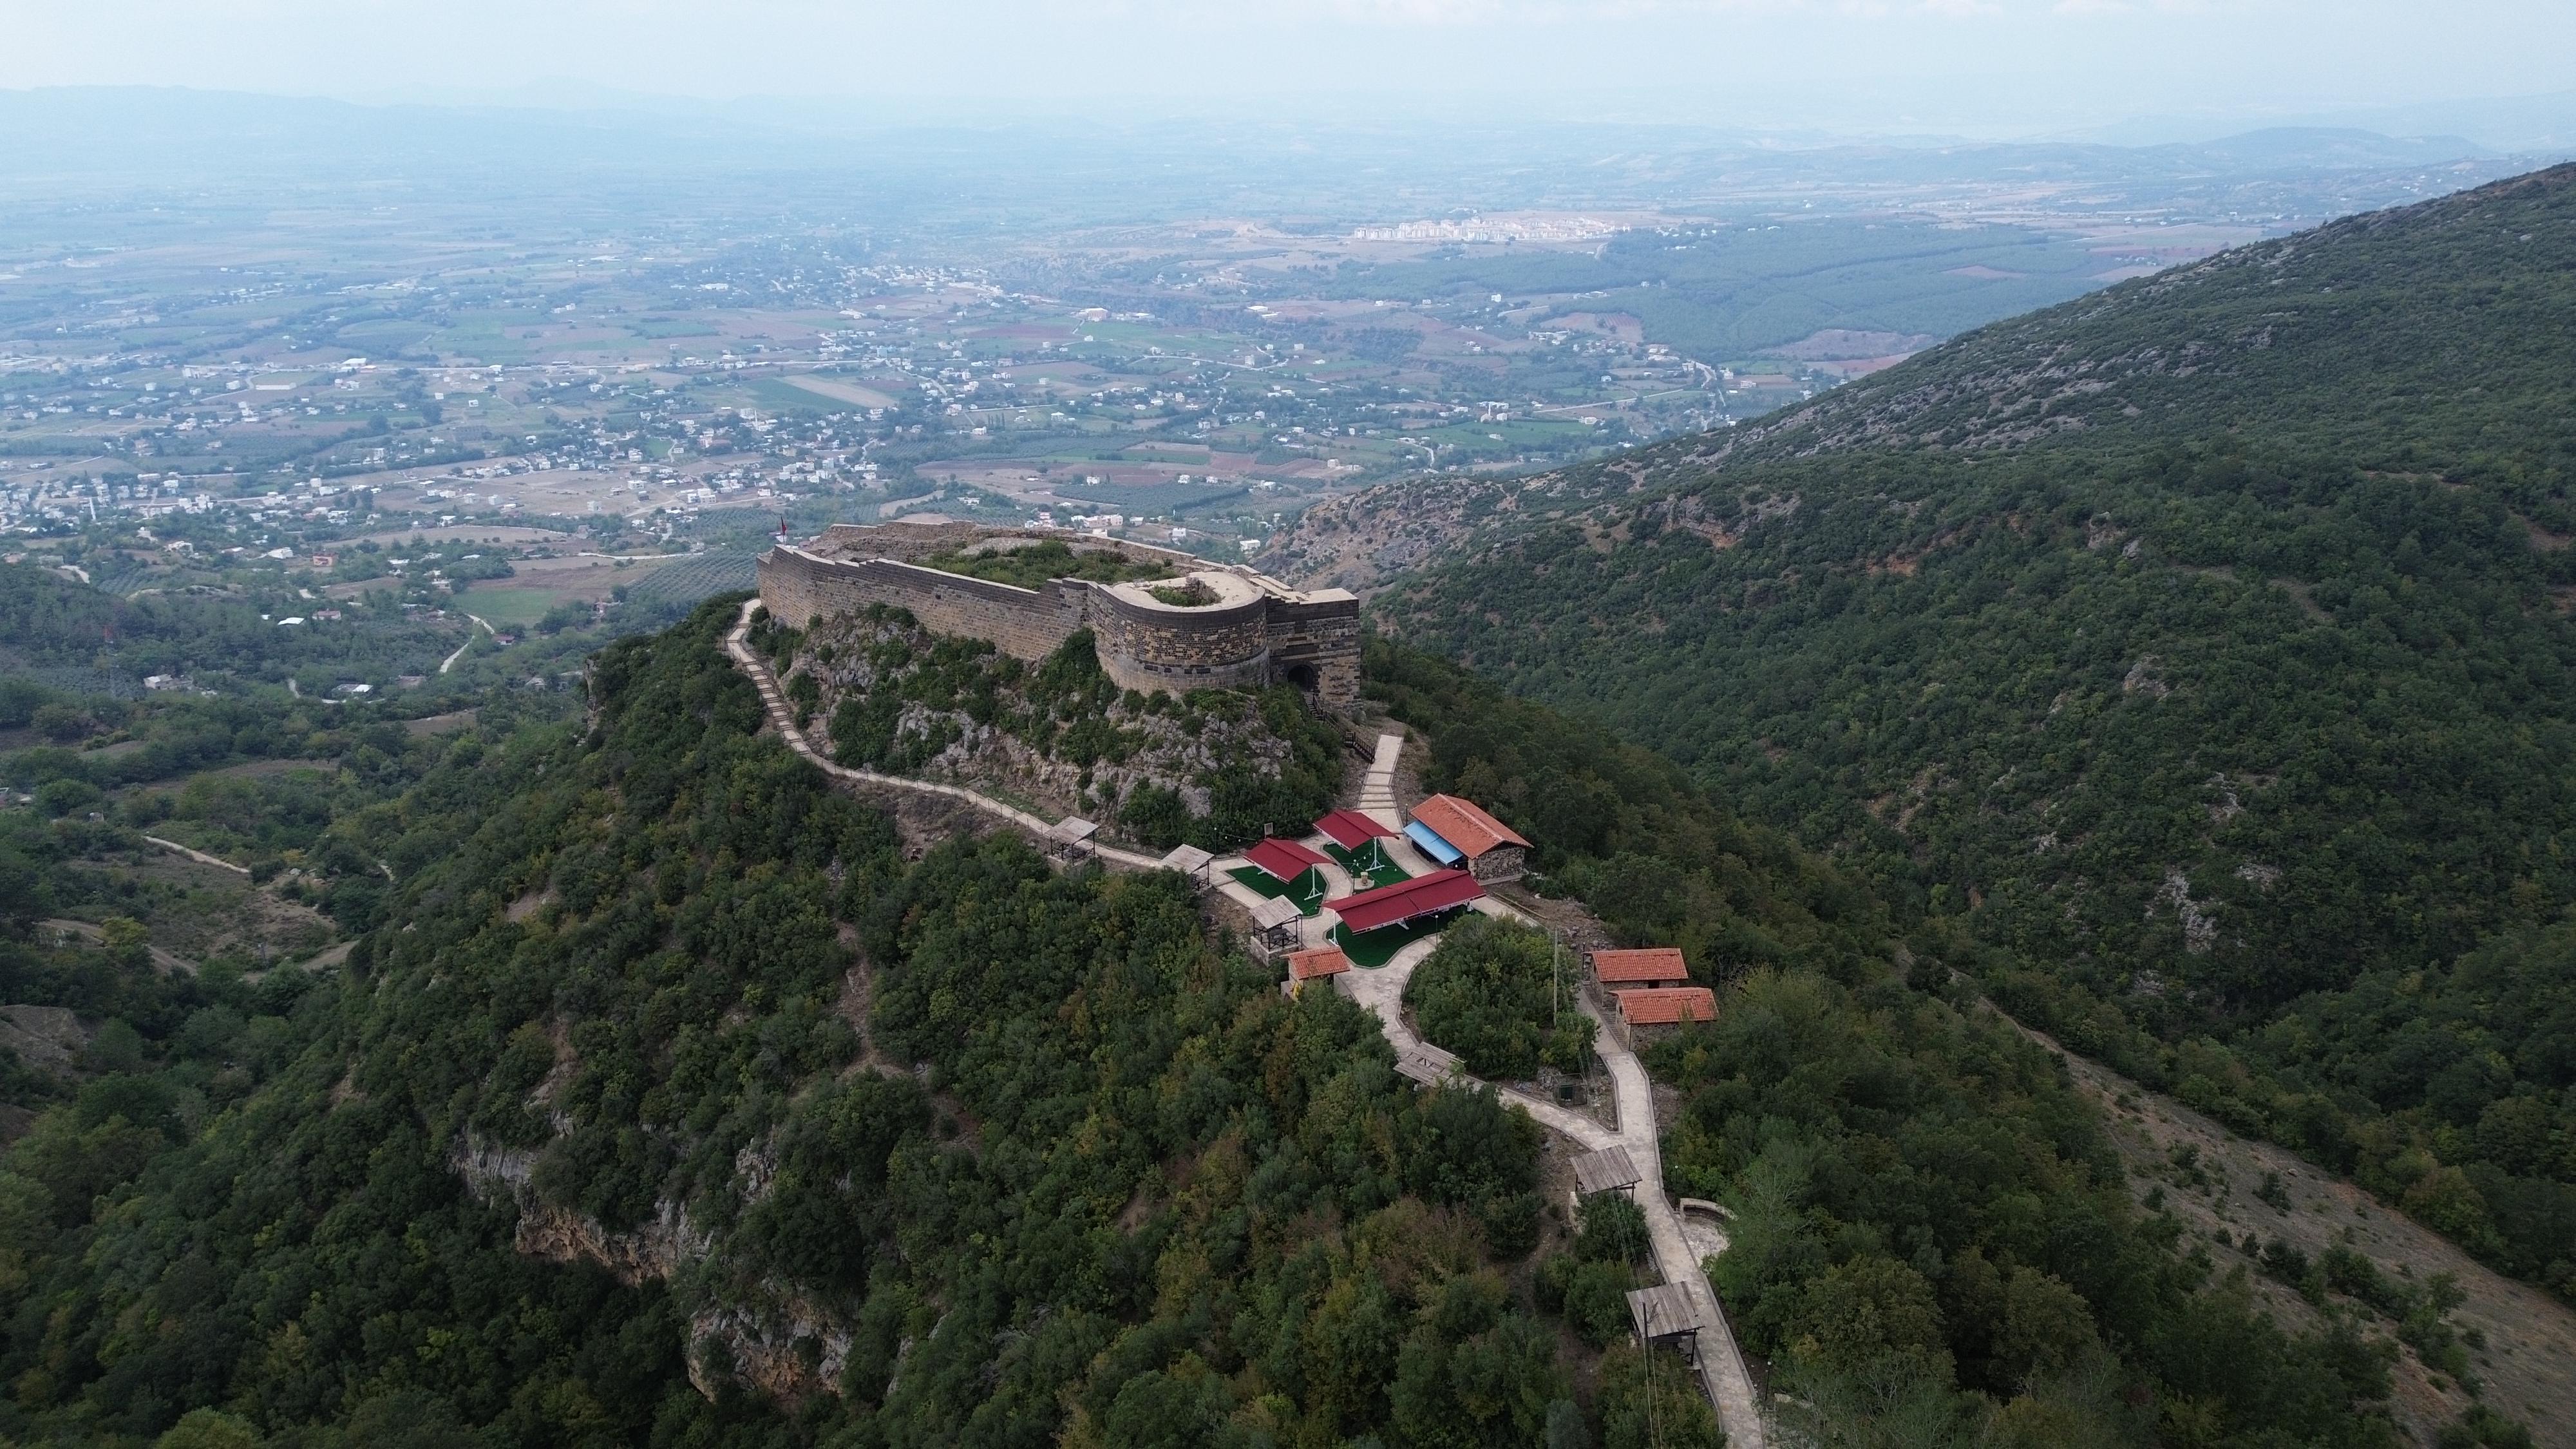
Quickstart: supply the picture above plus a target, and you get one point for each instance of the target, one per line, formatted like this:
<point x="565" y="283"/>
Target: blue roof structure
<point x="1432" y="845"/>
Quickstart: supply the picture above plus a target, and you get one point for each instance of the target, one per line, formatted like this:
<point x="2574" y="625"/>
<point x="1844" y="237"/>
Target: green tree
<point x="1867" y="1309"/>
<point x="209" y="1429"/>
<point x="1651" y="1400"/>
<point x="1489" y="993"/>
<point x="2046" y="1327"/>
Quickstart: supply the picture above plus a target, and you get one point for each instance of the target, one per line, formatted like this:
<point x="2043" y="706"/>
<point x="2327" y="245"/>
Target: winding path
<point x="199" y="856"/>
<point x="738" y="644"/>
<point x="449" y="662"/>
<point x="1721" y="1366"/>
<point x="1722" y="1373"/>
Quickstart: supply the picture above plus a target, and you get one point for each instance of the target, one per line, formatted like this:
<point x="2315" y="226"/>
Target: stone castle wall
<point x="1316" y="644"/>
<point x="913" y="542"/>
<point x="1182" y="649"/>
<point x="1029" y="624"/>
<point x="1311" y="639"/>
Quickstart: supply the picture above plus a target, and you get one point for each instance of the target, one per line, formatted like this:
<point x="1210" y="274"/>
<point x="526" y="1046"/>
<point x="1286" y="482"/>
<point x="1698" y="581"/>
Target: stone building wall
<point x="1315" y="643"/>
<point x="1502" y="863"/>
<point x="1149" y="648"/>
<point x="1311" y="639"/>
<point x="1025" y="623"/>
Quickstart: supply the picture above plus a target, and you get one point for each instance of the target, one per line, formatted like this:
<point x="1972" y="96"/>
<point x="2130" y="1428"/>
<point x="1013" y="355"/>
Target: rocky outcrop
<point x="759" y="1334"/>
<point x="786" y="1347"/>
<point x="1178" y="746"/>
<point x="656" y="1249"/>
<point x="1361" y="540"/>
<point x="47" y="1038"/>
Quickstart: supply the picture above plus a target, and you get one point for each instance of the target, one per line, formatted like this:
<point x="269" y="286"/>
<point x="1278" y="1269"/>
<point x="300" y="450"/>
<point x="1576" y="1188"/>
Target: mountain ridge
<point x="1986" y="391"/>
<point x="2220" y="702"/>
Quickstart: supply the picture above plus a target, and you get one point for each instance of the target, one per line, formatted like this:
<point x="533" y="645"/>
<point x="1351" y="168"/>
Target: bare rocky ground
<point x="2528" y="1361"/>
<point x="1179" y="746"/>
<point x="1361" y="540"/>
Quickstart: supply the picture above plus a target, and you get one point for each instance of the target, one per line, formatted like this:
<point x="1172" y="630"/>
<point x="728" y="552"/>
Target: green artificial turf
<point x="1306" y="892"/>
<point x="1385" y="873"/>
<point x="1373" y="949"/>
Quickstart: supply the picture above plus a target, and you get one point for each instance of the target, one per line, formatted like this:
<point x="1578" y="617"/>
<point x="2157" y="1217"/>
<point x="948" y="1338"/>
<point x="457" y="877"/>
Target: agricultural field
<point x="1128" y="358"/>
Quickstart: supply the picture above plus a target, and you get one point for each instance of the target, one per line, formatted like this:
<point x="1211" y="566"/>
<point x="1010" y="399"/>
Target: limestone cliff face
<point x="761" y="1334"/>
<point x="47" y="1038"/>
<point x="661" y="1248"/>
<point x="784" y="1346"/>
<point x="1175" y="749"/>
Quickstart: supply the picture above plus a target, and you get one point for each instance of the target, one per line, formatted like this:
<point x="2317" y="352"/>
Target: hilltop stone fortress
<point x="1251" y="631"/>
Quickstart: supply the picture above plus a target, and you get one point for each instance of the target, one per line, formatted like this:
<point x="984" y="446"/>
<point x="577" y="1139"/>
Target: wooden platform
<point x="1607" y="1170"/>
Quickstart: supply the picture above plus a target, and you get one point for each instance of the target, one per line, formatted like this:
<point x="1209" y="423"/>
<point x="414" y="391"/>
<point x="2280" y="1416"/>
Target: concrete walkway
<point x="1721" y="1364"/>
<point x="1723" y="1377"/>
<point x="1377" y="788"/>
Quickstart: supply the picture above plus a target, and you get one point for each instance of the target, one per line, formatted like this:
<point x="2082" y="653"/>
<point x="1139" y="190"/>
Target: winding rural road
<point x="1722" y="1373"/>
<point x="197" y="855"/>
<point x="449" y="662"/>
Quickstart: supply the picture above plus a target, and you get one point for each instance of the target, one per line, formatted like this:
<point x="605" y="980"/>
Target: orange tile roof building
<point x="1667" y="1006"/>
<point x="1650" y="966"/>
<point x="1316" y="963"/>
<point x="1459" y="832"/>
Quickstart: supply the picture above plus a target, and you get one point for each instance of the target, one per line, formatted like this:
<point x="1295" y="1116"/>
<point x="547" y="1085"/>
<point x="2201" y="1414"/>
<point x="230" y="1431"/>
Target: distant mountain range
<point x="99" y="136"/>
<point x="2501" y="123"/>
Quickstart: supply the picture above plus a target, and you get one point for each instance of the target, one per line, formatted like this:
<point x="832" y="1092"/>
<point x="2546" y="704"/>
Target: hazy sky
<point x="1993" y="66"/>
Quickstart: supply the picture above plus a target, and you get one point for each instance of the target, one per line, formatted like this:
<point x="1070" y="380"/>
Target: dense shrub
<point x="1496" y="994"/>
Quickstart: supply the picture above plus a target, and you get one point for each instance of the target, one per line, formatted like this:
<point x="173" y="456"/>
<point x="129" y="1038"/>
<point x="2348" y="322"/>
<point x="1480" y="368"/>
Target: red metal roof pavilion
<point x="1349" y="829"/>
<point x="1423" y="895"/>
<point x="1283" y="860"/>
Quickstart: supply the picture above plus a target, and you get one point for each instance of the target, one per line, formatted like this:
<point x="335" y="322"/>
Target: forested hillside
<point x="2433" y="335"/>
<point x="608" y="1132"/>
<point x="1932" y="1239"/>
<point x="596" y="1140"/>
<point x="2204" y="645"/>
